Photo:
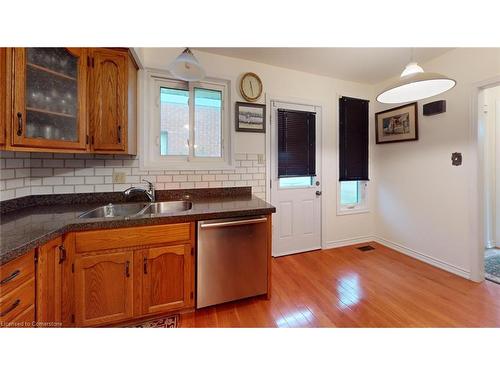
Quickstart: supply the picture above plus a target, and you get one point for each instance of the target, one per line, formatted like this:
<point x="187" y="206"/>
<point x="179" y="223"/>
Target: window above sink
<point x="187" y="125"/>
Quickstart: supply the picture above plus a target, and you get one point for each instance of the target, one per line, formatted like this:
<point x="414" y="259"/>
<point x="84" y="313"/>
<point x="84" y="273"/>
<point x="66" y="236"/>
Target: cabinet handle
<point x="19" y="124"/>
<point x="11" y="277"/>
<point x="12" y="307"/>
<point x="119" y="134"/>
<point x="145" y="264"/>
<point x="62" y="254"/>
<point x="127" y="269"/>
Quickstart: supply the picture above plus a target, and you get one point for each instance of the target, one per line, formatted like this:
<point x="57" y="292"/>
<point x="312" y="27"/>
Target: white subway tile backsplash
<point x="74" y="180"/>
<point x="14" y="163"/>
<point x="84" y="188"/>
<point x="64" y="189"/>
<point x="53" y="181"/>
<point x="76" y="163"/>
<point x="41" y="190"/>
<point x="14" y="183"/>
<point x="44" y="173"/>
<point x="94" y="180"/>
<point x="53" y="163"/>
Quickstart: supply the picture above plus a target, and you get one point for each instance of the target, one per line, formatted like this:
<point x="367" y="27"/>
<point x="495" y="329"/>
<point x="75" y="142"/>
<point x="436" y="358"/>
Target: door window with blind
<point x="188" y="126"/>
<point x="353" y="154"/>
<point x="296" y="148"/>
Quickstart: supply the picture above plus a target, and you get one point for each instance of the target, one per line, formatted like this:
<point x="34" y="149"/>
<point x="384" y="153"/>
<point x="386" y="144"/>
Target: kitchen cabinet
<point x="50" y="258"/>
<point x="167" y="281"/>
<point x="69" y="100"/>
<point x="3" y="96"/>
<point x="50" y="93"/>
<point x="129" y="273"/>
<point x="17" y="292"/>
<point x="104" y="288"/>
<point x="108" y="102"/>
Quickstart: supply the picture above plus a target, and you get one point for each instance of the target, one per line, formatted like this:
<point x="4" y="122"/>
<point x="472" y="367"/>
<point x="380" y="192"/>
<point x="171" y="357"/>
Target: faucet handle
<point x="150" y="184"/>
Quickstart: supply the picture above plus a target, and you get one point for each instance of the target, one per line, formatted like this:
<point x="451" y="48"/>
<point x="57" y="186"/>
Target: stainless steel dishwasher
<point x="232" y="259"/>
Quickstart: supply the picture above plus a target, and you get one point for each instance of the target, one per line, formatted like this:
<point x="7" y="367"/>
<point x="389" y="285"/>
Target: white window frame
<point x="150" y="157"/>
<point x="360" y="207"/>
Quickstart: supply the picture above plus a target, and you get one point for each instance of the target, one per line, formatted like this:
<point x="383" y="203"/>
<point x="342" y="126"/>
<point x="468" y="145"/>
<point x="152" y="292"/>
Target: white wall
<point x="280" y="83"/>
<point x="424" y="204"/>
<point x="492" y="165"/>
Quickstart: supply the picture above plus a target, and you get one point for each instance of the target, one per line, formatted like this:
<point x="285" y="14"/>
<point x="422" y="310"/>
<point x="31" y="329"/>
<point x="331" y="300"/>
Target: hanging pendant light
<point x="186" y="67"/>
<point x="415" y="84"/>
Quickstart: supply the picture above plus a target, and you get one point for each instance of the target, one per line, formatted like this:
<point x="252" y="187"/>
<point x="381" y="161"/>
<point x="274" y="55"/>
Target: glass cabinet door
<point x="50" y="97"/>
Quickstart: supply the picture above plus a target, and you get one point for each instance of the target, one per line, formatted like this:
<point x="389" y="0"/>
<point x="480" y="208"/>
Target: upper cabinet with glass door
<point x="50" y="98"/>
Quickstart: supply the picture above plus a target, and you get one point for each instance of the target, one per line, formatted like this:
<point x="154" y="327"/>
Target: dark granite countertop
<point x="25" y="227"/>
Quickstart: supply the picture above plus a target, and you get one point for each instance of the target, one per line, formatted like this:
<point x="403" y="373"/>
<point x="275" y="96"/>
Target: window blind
<point x="296" y="143"/>
<point x="353" y="139"/>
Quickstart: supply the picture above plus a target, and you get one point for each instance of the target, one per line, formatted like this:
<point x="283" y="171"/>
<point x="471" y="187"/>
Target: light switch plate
<point x="119" y="177"/>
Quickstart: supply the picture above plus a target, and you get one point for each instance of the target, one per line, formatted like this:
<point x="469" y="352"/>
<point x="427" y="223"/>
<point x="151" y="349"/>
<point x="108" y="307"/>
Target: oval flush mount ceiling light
<point x="186" y="67"/>
<point x="414" y="84"/>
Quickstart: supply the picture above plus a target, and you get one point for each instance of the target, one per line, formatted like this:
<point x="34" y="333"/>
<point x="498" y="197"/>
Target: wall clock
<point x="250" y="87"/>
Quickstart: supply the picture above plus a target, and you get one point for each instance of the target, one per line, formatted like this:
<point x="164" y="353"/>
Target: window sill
<point x="352" y="211"/>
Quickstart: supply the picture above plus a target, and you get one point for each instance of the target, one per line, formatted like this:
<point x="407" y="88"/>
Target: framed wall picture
<point x="250" y="117"/>
<point x="398" y="124"/>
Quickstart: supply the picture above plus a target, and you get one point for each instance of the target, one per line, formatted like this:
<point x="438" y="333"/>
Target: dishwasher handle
<point x="234" y="223"/>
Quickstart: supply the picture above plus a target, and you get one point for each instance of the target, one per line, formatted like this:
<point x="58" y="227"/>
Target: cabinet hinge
<point x="72" y="267"/>
<point x="72" y="318"/>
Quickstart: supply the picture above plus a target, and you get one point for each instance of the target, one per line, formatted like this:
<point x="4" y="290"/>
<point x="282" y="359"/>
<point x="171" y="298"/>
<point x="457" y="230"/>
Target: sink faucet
<point x="150" y="192"/>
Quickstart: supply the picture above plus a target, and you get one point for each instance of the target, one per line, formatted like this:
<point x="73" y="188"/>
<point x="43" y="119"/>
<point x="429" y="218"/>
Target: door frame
<point x="477" y="185"/>
<point x="297" y="101"/>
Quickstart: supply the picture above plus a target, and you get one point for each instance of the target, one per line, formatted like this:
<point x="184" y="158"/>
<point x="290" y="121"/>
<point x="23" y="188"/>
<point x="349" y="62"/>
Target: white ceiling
<point x="365" y="65"/>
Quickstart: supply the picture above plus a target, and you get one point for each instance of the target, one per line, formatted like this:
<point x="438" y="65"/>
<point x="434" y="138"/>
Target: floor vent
<point x="366" y="248"/>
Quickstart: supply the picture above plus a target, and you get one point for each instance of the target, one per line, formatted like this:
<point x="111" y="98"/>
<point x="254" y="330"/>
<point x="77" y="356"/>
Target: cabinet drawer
<point x="16" y="273"/>
<point x="17" y="301"/>
<point x="25" y="319"/>
<point x="130" y="237"/>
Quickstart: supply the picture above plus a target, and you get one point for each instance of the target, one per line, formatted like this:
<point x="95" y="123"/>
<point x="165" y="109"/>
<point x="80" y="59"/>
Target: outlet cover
<point x="260" y="158"/>
<point x="119" y="177"/>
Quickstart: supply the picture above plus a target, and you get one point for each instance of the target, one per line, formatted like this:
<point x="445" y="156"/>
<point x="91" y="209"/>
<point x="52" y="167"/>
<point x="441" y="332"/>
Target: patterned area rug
<point x="167" y="322"/>
<point x="492" y="265"/>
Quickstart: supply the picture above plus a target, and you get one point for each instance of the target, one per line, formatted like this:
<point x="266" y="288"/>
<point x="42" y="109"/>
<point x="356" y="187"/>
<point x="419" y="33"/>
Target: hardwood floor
<point x="346" y="287"/>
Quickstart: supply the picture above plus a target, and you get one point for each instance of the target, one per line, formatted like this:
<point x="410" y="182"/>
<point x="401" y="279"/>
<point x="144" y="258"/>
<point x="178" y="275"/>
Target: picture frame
<point x="250" y="117"/>
<point x="398" y="124"/>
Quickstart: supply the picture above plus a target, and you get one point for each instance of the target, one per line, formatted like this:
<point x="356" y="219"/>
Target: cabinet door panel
<point x="49" y="282"/>
<point x="50" y="98"/>
<point x="108" y="114"/>
<point x="103" y="288"/>
<point x="167" y="278"/>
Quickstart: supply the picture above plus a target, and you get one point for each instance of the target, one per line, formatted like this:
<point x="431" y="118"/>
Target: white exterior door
<point x="297" y="223"/>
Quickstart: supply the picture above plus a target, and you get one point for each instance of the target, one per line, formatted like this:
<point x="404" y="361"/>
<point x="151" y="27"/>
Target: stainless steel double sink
<point x="136" y="209"/>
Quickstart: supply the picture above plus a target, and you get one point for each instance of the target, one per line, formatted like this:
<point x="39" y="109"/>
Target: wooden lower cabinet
<point x="114" y="283"/>
<point x="101" y="278"/>
<point x="167" y="281"/>
<point x="49" y="283"/>
<point x="104" y="288"/>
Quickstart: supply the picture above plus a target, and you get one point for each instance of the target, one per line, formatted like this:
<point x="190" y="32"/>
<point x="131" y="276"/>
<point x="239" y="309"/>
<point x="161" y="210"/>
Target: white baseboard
<point x="347" y="242"/>
<point x="424" y="258"/>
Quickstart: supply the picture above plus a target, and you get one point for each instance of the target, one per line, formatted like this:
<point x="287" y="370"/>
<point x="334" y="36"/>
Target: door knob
<point x="318" y="193"/>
